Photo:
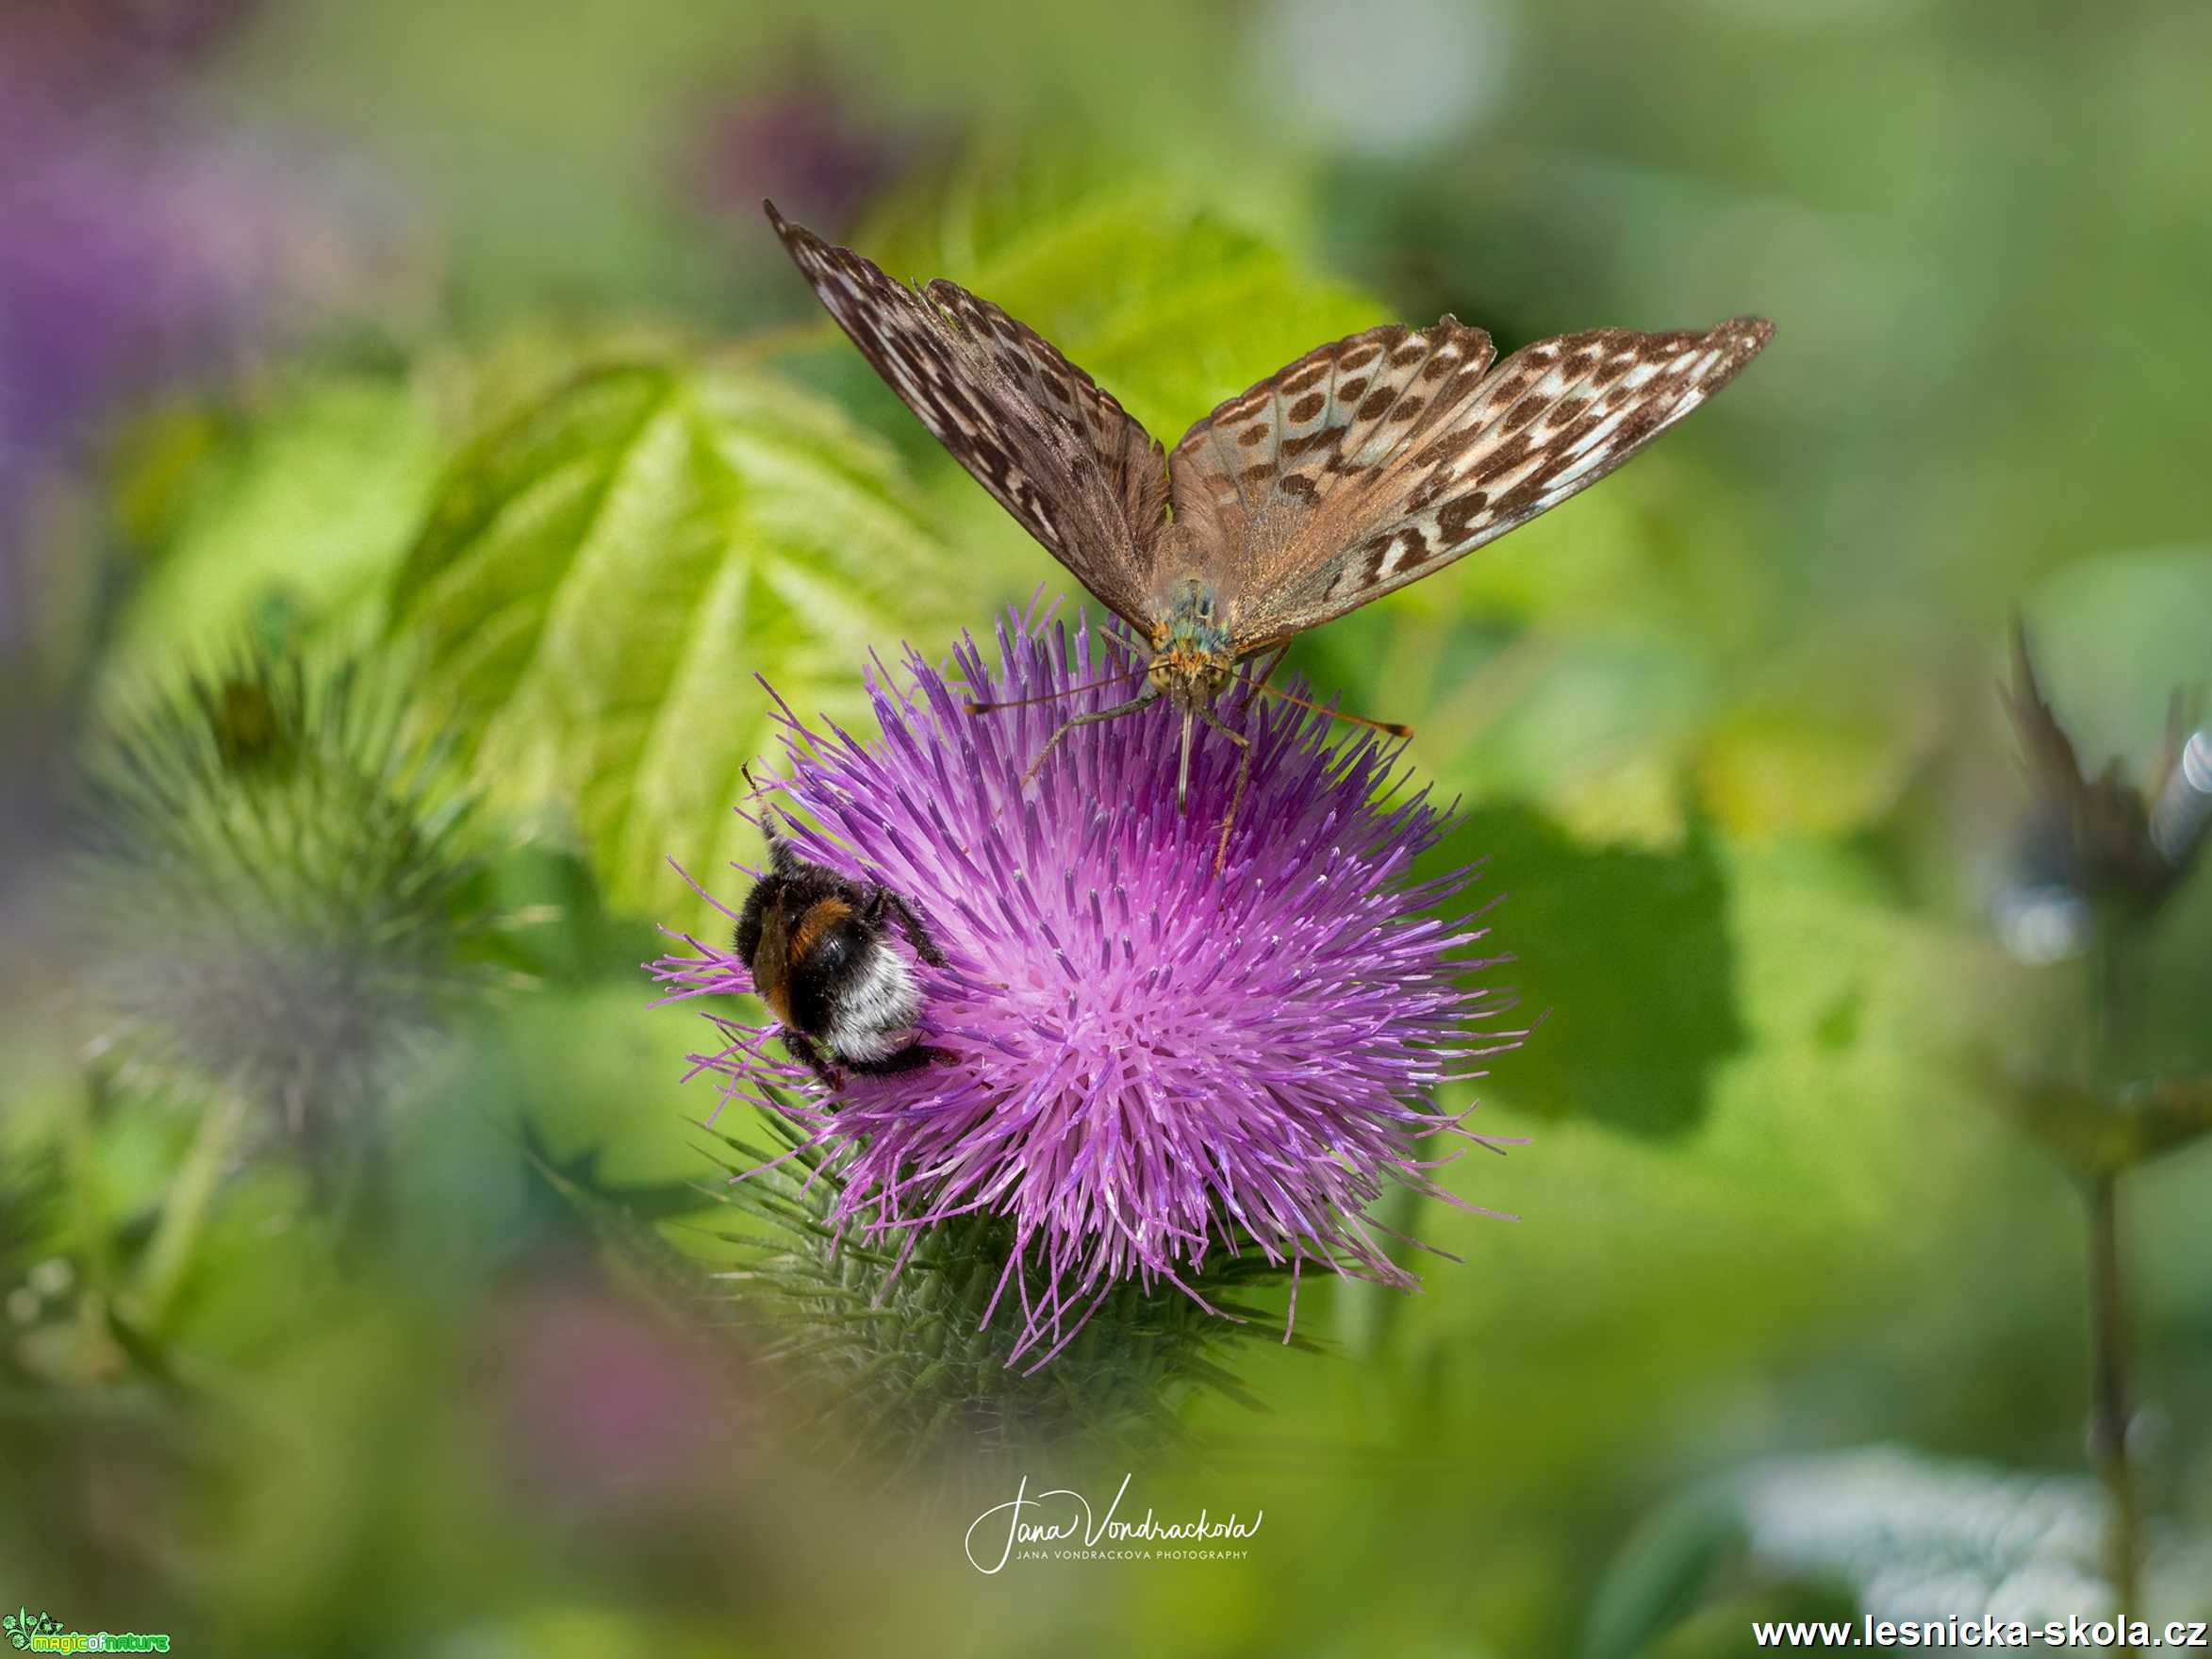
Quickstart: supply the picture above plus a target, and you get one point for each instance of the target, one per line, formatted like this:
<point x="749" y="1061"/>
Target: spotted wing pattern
<point x="1057" y="451"/>
<point x="1379" y="459"/>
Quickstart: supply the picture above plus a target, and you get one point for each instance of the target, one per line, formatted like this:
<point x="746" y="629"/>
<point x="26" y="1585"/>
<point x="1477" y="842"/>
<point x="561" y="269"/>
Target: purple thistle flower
<point x="1149" y="1061"/>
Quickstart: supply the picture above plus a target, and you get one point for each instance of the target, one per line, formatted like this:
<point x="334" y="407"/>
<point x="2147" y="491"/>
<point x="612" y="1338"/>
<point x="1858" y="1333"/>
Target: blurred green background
<point x="452" y="336"/>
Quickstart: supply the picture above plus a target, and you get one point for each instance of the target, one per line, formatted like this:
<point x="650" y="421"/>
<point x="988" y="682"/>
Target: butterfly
<point x="1366" y="464"/>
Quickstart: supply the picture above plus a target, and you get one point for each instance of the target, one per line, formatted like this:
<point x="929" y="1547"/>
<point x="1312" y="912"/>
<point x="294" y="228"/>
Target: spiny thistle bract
<point x="888" y="1356"/>
<point x="275" y="900"/>
<point x="1144" y="1064"/>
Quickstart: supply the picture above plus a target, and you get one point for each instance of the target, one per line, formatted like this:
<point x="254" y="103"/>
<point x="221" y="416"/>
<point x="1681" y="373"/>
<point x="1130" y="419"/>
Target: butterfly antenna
<point x="1389" y="728"/>
<point x="974" y="706"/>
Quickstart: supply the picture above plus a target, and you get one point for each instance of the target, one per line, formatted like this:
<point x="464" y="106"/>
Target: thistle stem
<point x="184" y="1210"/>
<point x="2109" y="1406"/>
<point x="88" y="1201"/>
<point x="2109" y="1397"/>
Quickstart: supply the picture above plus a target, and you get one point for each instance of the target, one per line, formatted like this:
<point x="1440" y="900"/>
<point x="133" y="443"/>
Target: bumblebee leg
<point x="917" y="933"/>
<point x="910" y="1059"/>
<point x="1236" y="795"/>
<point x="872" y="903"/>
<point x="801" y="1048"/>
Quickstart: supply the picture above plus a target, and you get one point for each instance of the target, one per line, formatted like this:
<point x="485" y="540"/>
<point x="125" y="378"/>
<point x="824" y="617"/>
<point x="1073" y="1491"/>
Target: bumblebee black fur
<point x="821" y="958"/>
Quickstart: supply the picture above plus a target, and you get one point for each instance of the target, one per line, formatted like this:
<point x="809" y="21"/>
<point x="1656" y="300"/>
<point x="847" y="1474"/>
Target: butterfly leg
<point x="1146" y="695"/>
<point x="1236" y="794"/>
<point x="1254" y="688"/>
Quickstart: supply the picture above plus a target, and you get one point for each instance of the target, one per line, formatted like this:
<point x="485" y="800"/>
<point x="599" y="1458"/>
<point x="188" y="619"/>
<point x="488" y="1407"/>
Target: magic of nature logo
<point x="41" y="1632"/>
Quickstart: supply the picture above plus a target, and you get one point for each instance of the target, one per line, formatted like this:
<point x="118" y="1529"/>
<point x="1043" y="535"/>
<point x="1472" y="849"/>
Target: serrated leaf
<point x="603" y="575"/>
<point x="1890" y="1534"/>
<point x="1919" y="1538"/>
<point x="303" y="505"/>
<point x="1169" y="307"/>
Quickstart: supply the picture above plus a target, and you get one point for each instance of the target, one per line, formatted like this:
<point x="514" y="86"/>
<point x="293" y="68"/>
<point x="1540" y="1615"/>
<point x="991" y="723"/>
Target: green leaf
<point x="1368" y="1313"/>
<point x="2115" y="638"/>
<point x="1722" y="1628"/>
<point x="2093" y="1133"/>
<point x="298" y="510"/>
<point x="1917" y="1536"/>
<point x="1629" y="957"/>
<point x="603" y="575"/>
<point x="1877" y="1530"/>
<point x="1807" y="771"/>
<point x="1661" y="1572"/>
<point x="1167" y="306"/>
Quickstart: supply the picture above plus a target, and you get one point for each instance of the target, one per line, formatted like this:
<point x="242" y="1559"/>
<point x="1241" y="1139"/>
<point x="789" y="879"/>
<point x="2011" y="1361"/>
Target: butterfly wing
<point x="1379" y="459"/>
<point x="1056" y="450"/>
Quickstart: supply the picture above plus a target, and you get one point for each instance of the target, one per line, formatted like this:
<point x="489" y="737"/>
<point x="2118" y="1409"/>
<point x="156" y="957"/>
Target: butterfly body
<point x="1366" y="464"/>
<point x="1194" y="661"/>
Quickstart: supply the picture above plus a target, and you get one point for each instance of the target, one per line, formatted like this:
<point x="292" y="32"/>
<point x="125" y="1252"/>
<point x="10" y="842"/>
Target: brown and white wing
<point x="1055" y="449"/>
<point x="1381" y="459"/>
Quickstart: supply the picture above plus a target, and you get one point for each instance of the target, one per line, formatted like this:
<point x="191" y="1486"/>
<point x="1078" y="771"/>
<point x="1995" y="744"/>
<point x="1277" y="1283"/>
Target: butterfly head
<point x="1192" y="663"/>
<point x="1190" y="677"/>
<point x="1193" y="660"/>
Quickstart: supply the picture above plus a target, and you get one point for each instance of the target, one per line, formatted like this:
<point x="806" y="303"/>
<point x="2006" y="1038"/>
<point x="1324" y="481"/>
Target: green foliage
<point x="1904" y="1537"/>
<point x="1625" y="958"/>
<point x="602" y="576"/>
<point x="1726" y="721"/>
<point x="886" y="1342"/>
<point x="1658" y="1576"/>
<point x="2115" y="638"/>
<point x="2094" y="1133"/>
<point x="1722" y="1628"/>
<point x="281" y="516"/>
<point x="1141" y="280"/>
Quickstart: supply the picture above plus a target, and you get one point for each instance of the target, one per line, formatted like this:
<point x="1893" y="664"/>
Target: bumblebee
<point x="822" y="960"/>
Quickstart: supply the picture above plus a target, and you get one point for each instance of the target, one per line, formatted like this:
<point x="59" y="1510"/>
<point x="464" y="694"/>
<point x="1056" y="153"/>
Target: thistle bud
<point x="2090" y="847"/>
<point x="273" y="902"/>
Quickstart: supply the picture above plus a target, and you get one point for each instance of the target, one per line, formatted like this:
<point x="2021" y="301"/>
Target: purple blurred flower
<point x="606" y="1406"/>
<point x="1151" y="1061"/>
<point x="807" y="142"/>
<point x="143" y="242"/>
